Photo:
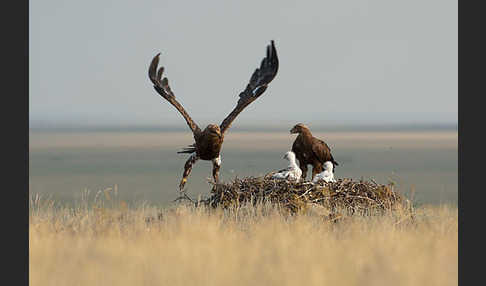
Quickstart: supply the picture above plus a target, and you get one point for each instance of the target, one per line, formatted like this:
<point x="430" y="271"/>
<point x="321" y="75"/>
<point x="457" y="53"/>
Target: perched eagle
<point x="326" y="175"/>
<point x="310" y="150"/>
<point x="292" y="172"/>
<point x="208" y="141"/>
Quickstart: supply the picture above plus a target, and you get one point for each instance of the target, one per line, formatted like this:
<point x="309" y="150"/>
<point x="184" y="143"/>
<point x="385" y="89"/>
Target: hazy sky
<point x="349" y="62"/>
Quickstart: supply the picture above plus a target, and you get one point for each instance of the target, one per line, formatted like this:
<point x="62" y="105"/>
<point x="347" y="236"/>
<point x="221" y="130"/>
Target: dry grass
<point x="103" y="241"/>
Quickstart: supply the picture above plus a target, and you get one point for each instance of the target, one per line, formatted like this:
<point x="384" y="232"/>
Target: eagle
<point x="292" y="172"/>
<point x="310" y="150"/>
<point x="208" y="142"/>
<point x="326" y="175"/>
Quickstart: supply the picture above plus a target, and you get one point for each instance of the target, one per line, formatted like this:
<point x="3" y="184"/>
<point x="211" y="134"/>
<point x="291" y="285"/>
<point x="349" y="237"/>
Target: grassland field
<point x="105" y="241"/>
<point x="101" y="213"/>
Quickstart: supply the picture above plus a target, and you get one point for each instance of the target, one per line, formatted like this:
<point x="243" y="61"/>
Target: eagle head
<point x="298" y="128"/>
<point x="213" y="128"/>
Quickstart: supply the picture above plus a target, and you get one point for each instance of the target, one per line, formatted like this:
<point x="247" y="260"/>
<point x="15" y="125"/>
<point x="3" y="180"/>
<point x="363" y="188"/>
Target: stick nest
<point x="344" y="193"/>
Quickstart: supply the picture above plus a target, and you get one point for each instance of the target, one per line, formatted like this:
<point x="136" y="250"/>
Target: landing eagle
<point x="208" y="142"/>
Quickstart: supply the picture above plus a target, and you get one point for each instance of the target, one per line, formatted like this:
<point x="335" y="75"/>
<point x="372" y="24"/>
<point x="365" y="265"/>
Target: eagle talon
<point x="182" y="184"/>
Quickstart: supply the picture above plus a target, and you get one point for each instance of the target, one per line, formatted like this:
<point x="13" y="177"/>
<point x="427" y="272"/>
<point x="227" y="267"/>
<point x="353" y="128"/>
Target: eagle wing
<point x="322" y="151"/>
<point x="161" y="85"/>
<point x="258" y="84"/>
<point x="298" y="149"/>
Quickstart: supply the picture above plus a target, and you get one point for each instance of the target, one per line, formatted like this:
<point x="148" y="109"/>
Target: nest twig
<point x="344" y="193"/>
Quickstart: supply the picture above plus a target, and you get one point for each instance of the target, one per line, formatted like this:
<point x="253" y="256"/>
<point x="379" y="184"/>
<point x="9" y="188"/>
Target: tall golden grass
<point x="107" y="242"/>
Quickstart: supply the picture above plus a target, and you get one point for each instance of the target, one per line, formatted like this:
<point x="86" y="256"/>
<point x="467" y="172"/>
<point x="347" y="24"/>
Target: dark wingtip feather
<point x="272" y="49"/>
<point x="153" y="68"/>
<point x="165" y="82"/>
<point x="274" y="55"/>
<point x="272" y="46"/>
<point x="159" y="73"/>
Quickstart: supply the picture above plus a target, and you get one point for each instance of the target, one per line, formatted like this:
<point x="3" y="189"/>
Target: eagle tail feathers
<point x="188" y="150"/>
<point x="334" y="161"/>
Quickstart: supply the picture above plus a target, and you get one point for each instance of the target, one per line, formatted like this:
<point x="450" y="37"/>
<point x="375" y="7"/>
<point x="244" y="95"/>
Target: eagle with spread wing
<point x="208" y="142"/>
<point x="310" y="150"/>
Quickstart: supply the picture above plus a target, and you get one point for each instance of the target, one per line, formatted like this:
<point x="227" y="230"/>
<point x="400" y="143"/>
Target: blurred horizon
<point x="276" y="126"/>
<point x="145" y="166"/>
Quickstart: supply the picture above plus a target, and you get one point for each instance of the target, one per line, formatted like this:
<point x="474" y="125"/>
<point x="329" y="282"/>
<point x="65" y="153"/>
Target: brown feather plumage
<point x="208" y="142"/>
<point x="310" y="150"/>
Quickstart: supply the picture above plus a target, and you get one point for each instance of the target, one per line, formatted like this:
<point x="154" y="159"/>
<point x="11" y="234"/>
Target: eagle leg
<point x="316" y="169"/>
<point x="187" y="170"/>
<point x="303" y="167"/>
<point x="216" y="166"/>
